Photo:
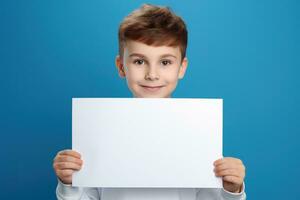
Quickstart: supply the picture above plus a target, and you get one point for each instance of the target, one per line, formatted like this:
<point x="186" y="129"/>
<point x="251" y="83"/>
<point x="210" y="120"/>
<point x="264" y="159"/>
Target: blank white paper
<point x="147" y="142"/>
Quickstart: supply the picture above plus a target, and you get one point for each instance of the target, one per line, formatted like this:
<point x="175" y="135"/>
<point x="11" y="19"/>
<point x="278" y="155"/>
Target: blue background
<point x="246" y="52"/>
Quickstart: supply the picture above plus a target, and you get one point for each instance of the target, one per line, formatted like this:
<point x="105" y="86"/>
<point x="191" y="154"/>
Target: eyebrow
<point x="143" y="56"/>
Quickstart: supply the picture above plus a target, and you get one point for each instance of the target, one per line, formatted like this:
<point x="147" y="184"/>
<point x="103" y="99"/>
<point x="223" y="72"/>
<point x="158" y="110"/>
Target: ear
<point x="120" y="66"/>
<point x="182" y="68"/>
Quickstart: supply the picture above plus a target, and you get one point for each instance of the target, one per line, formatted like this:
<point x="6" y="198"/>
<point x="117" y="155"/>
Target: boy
<point x="152" y="49"/>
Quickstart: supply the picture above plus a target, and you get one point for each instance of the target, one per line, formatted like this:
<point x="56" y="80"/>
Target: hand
<point x="232" y="171"/>
<point x="65" y="163"/>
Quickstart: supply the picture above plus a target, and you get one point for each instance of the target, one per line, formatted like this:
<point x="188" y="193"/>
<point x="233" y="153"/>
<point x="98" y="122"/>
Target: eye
<point x="166" y="62"/>
<point x="139" y="62"/>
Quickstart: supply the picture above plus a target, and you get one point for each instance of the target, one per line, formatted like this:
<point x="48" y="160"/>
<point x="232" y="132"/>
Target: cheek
<point x="171" y="76"/>
<point x="134" y="75"/>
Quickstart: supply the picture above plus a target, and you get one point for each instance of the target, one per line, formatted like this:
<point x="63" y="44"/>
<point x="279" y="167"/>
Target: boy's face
<point x="151" y="71"/>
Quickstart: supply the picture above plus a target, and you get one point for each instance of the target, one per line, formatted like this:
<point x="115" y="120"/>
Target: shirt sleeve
<point x="219" y="193"/>
<point x="234" y="196"/>
<point x="68" y="192"/>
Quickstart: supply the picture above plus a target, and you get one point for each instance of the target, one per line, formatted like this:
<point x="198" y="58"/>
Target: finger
<point x="228" y="165"/>
<point x="229" y="172"/>
<point x="233" y="179"/>
<point x="70" y="153"/>
<point x="236" y="165"/>
<point x="66" y="165"/>
<point x="63" y="158"/>
<point x="64" y="173"/>
<point x="219" y="161"/>
<point x="232" y="159"/>
<point x="226" y="160"/>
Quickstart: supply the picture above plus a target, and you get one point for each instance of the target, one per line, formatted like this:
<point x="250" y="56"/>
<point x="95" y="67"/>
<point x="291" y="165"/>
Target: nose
<point x="151" y="74"/>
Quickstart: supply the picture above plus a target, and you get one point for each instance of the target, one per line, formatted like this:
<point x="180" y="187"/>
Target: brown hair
<point x="153" y="25"/>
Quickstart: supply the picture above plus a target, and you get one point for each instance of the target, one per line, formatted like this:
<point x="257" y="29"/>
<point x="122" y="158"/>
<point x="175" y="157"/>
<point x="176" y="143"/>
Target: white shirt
<point x="67" y="192"/>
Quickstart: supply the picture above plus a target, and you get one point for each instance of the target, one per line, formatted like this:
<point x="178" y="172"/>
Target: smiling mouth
<point x="152" y="88"/>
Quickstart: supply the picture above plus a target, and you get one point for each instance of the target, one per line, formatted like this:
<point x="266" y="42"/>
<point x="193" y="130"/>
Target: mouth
<point x="152" y="88"/>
